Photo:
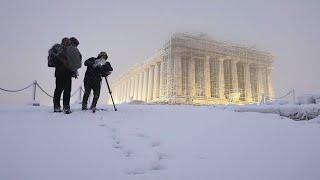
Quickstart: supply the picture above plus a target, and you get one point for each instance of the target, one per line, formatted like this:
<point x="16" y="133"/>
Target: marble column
<point x="192" y="79"/>
<point x="207" y="82"/>
<point x="247" y="83"/>
<point x="114" y="91"/>
<point x="221" y="79"/>
<point x="136" y="88"/>
<point x="120" y="93"/>
<point x="133" y="83"/>
<point x="145" y="85"/>
<point x="130" y="89"/>
<point x="150" y="83"/>
<point x="270" y="84"/>
<point x="234" y="76"/>
<point x="170" y="78"/>
<point x="114" y="94"/>
<point x="260" y="91"/>
<point x="125" y="91"/>
<point x="156" y="83"/>
<point x="135" y="91"/>
<point x="140" y="91"/>
<point x="163" y="79"/>
<point x="177" y="75"/>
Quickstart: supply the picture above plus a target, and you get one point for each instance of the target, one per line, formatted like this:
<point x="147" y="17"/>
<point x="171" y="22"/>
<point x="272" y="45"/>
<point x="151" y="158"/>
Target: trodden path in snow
<point x="155" y="142"/>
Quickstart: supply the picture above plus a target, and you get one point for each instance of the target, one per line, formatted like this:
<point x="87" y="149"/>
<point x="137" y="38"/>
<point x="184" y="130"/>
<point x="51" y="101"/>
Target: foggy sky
<point x="131" y="31"/>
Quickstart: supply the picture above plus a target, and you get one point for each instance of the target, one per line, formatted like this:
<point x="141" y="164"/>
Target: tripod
<point x="115" y="109"/>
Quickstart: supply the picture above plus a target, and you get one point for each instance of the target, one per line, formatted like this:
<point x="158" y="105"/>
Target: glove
<point x="96" y="63"/>
<point x="75" y="74"/>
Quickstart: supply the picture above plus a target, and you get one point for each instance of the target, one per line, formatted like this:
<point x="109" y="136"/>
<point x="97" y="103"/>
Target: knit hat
<point x="102" y="53"/>
<point x="74" y="41"/>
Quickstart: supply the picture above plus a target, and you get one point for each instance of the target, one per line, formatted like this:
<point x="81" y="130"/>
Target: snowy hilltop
<point x="156" y="142"/>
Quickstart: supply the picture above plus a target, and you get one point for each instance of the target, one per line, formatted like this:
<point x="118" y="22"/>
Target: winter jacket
<point x="95" y="73"/>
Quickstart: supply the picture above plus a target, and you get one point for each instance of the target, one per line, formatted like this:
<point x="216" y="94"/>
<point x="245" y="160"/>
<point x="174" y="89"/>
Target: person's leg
<point x="96" y="93"/>
<point x="66" y="93"/>
<point x="57" y="94"/>
<point x="87" y="90"/>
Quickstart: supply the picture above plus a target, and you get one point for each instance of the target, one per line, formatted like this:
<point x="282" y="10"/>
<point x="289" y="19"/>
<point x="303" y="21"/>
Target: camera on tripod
<point x="103" y="67"/>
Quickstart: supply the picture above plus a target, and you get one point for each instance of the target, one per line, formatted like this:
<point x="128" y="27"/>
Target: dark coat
<point x="96" y="73"/>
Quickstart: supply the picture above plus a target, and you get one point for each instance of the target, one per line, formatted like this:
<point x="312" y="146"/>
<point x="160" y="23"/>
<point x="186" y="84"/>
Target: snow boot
<point x="66" y="110"/>
<point x="84" y="107"/>
<point x="57" y="109"/>
<point x="93" y="108"/>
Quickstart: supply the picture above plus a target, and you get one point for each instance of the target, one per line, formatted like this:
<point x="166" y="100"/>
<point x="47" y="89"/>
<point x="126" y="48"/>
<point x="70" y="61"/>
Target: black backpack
<point x="54" y="52"/>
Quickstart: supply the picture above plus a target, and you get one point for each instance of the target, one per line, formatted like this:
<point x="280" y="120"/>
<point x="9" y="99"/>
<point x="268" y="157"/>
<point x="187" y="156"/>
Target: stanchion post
<point x="34" y="102"/>
<point x="34" y="91"/>
<point x="80" y="94"/>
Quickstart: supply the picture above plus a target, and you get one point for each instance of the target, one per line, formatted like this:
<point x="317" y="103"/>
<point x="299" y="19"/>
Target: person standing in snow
<point x="97" y="67"/>
<point x="64" y="74"/>
<point x="63" y="80"/>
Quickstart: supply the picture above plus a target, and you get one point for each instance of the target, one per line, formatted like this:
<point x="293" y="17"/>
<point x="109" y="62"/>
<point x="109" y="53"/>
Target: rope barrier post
<point x="80" y="94"/>
<point x="34" y="102"/>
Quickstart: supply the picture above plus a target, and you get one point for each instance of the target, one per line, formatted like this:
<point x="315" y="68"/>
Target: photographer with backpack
<point x="59" y="57"/>
<point x="96" y="69"/>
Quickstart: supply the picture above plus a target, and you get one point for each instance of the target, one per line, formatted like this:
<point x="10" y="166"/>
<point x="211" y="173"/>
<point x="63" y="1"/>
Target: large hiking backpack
<point x="54" y="52"/>
<point x="74" y="58"/>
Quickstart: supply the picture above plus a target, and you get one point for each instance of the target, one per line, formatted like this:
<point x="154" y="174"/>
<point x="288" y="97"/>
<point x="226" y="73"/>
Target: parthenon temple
<point x="195" y="69"/>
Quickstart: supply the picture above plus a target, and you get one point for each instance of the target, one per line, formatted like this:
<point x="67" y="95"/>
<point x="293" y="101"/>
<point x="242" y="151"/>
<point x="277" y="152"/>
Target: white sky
<point x="131" y="31"/>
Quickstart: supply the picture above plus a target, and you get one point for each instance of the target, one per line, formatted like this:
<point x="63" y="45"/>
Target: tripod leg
<point x="114" y="106"/>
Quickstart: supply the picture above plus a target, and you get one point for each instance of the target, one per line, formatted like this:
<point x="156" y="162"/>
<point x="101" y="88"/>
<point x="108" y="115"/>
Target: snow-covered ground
<point x="163" y="142"/>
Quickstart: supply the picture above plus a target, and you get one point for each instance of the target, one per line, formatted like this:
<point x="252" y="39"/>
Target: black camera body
<point x="104" y="70"/>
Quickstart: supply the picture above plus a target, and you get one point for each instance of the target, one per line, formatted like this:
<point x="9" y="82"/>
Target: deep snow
<point x="164" y="142"/>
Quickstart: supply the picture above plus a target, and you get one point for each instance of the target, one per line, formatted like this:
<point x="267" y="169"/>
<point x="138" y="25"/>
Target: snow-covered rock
<point x="306" y="99"/>
<point x="317" y="98"/>
<point x="292" y="111"/>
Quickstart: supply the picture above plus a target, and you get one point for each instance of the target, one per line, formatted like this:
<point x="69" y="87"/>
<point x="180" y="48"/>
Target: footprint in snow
<point x="113" y="137"/>
<point x="135" y="171"/>
<point x="102" y="125"/>
<point x="155" y="166"/>
<point x="128" y="153"/>
<point x="161" y="156"/>
<point x="117" y="146"/>
<point x="155" y="143"/>
<point x="141" y="135"/>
